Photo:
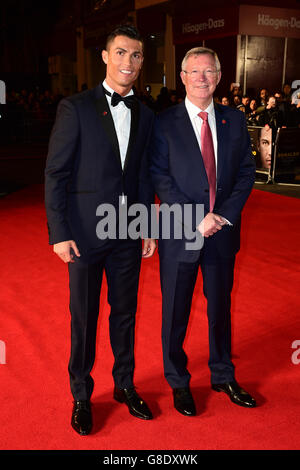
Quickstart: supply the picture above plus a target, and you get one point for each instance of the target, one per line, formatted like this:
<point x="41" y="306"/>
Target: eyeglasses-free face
<point x="124" y="59"/>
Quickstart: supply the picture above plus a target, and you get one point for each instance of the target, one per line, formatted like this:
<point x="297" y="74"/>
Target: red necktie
<point x="208" y="154"/>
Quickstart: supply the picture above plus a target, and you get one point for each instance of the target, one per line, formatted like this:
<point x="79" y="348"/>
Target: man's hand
<point x="149" y="247"/>
<point x="211" y="224"/>
<point x="63" y="250"/>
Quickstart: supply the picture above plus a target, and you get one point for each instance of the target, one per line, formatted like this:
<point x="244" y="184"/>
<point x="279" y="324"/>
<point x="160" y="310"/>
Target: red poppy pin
<point x="104" y="113"/>
<point x="223" y="121"/>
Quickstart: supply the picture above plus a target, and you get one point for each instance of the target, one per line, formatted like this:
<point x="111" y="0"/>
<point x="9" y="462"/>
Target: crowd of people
<point x="37" y="103"/>
<point x="28" y="115"/>
<point x="275" y="109"/>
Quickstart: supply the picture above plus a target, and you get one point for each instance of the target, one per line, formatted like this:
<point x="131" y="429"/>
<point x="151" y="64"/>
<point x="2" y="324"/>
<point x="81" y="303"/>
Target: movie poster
<point x="261" y="144"/>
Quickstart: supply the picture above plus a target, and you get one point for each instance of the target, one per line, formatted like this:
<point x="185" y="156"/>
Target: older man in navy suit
<point x="98" y="157"/>
<point x="201" y="155"/>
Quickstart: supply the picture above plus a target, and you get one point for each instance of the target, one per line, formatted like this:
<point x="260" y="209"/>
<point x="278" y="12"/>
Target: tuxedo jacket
<point x="179" y="176"/>
<point x="84" y="170"/>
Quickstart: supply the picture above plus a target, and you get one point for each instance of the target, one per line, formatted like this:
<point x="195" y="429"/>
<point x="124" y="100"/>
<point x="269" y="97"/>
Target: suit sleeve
<point x="146" y="189"/>
<point x="232" y="206"/>
<point x="59" y="166"/>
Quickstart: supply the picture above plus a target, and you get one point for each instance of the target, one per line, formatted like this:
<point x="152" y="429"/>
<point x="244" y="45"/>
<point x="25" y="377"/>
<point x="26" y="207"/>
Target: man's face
<point x="124" y="59"/>
<point x="265" y="147"/>
<point x="200" y="77"/>
<point x="263" y="93"/>
<point x="225" y="101"/>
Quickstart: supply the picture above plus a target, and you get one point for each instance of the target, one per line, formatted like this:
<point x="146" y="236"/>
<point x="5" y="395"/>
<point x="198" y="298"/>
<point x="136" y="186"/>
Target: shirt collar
<point x="193" y="110"/>
<point x="108" y="88"/>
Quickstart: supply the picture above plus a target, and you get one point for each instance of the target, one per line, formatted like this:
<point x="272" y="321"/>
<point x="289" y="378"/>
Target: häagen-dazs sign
<point x="265" y="21"/>
<point x="211" y="23"/>
<point x="245" y="19"/>
<point x="206" y="24"/>
<point x="276" y="23"/>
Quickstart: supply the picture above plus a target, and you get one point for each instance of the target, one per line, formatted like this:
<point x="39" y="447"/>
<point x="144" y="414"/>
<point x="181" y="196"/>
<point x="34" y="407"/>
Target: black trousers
<point x="178" y="281"/>
<point x="120" y="260"/>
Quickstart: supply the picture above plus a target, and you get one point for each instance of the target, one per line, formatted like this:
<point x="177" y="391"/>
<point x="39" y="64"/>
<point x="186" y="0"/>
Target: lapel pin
<point x="104" y="113"/>
<point x="223" y="121"/>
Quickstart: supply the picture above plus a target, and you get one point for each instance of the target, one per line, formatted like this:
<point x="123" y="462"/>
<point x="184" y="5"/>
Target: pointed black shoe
<point x="136" y="405"/>
<point x="236" y="394"/>
<point x="184" y="402"/>
<point x="82" y="417"/>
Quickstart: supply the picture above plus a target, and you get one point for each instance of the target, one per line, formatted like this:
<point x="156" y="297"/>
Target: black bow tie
<point x="116" y="98"/>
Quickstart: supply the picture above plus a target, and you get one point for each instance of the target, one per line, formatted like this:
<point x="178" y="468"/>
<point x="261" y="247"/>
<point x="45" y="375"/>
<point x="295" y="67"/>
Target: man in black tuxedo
<point x="98" y="155"/>
<point x="201" y="155"/>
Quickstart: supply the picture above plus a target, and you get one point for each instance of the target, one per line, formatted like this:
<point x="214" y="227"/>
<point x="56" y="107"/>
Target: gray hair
<point x="201" y="50"/>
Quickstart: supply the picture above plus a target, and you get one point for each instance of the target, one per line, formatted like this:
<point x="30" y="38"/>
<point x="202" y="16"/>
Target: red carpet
<point x="34" y="325"/>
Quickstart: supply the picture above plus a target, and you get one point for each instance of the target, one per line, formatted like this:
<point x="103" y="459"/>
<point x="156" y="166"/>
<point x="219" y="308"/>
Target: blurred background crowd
<point x="276" y="108"/>
<point x="29" y="114"/>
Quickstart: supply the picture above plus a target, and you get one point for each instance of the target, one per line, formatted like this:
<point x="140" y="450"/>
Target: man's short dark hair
<point x="127" y="30"/>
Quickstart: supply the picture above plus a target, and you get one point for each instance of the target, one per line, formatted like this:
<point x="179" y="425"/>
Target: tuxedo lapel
<point x="135" y="114"/>
<point x="106" y="119"/>
<point x="222" y="126"/>
<point x="186" y="127"/>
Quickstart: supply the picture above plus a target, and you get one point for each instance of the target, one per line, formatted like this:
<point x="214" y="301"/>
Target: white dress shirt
<point x="122" y="120"/>
<point x="196" y="121"/>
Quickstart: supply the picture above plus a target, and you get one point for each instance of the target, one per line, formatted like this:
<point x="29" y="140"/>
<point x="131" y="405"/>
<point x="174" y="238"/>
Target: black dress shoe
<point x="184" y="402"/>
<point x="236" y="394"/>
<point x="82" y="417"/>
<point x="137" y="407"/>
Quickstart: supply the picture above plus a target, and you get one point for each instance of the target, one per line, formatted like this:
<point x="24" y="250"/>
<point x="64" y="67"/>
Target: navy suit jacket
<point x="84" y="168"/>
<point x="179" y="175"/>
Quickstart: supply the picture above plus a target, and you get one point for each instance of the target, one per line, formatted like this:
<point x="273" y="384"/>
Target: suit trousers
<point x="178" y="281"/>
<point x="120" y="260"/>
